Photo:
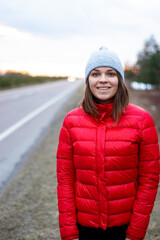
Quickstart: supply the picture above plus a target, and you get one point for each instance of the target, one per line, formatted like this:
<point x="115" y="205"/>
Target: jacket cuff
<point x="133" y="238"/>
<point x="69" y="232"/>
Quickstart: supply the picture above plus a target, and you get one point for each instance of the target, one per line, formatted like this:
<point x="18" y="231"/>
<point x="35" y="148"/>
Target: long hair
<point x="120" y="101"/>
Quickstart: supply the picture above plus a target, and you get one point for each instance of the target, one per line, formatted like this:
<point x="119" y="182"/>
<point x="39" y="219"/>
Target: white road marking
<point x="33" y="114"/>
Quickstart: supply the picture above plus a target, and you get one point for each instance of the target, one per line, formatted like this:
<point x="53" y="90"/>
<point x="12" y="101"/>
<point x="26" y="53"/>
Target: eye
<point x="95" y="74"/>
<point x="111" y="74"/>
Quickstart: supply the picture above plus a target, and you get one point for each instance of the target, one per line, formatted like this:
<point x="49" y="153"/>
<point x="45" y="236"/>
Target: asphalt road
<point x="25" y="115"/>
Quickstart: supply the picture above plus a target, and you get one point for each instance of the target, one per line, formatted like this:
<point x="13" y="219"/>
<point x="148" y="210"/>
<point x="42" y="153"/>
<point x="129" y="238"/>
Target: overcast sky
<point x="56" y="37"/>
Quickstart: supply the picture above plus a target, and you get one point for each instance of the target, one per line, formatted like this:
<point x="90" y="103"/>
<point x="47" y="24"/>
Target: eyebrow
<point x="107" y="70"/>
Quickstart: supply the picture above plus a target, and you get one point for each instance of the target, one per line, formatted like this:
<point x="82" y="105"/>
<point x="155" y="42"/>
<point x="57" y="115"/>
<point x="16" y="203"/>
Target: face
<point x="103" y="83"/>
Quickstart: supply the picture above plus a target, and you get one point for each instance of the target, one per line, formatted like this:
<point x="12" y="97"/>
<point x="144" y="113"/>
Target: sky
<point x="56" y="37"/>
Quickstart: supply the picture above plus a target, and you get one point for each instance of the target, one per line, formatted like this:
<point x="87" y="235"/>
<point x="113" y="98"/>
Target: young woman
<point x="107" y="159"/>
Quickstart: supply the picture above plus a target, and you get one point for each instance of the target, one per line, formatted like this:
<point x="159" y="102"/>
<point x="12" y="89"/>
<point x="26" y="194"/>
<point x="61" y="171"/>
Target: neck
<point x="99" y="101"/>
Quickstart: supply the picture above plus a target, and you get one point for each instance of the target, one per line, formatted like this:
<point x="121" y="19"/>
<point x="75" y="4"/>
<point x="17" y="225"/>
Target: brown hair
<point x="121" y="100"/>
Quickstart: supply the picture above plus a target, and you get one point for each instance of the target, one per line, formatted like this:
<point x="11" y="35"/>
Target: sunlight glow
<point x="22" y="51"/>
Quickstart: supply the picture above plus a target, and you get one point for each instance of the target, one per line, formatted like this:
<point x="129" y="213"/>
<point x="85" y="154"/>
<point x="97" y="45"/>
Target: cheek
<point x="115" y="84"/>
<point x="91" y="84"/>
<point x="116" y="88"/>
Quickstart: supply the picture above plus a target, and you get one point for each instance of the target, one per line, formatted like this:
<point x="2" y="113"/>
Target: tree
<point x="130" y="72"/>
<point x="148" y="63"/>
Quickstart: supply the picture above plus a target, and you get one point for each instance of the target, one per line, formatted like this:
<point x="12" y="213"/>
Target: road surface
<point x="25" y="114"/>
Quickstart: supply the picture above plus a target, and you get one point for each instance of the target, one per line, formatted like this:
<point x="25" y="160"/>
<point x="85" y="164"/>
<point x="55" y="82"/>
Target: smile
<point x="103" y="88"/>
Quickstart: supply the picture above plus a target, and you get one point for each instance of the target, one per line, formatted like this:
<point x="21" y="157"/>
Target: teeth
<point x="103" y="88"/>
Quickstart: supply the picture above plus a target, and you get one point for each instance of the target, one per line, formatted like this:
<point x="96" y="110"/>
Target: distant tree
<point x="130" y="72"/>
<point x="14" y="73"/>
<point x="148" y="62"/>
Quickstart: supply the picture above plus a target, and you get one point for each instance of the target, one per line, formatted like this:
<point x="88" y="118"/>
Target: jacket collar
<point x="105" y="110"/>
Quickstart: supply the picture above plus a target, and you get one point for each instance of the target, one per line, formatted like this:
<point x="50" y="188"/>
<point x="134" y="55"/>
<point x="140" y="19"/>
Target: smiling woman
<point x="106" y="168"/>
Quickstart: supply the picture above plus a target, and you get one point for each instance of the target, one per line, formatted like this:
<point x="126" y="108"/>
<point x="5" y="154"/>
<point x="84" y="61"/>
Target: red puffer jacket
<point x="107" y="174"/>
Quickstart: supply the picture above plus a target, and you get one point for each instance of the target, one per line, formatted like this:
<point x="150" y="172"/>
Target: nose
<point x="103" y="78"/>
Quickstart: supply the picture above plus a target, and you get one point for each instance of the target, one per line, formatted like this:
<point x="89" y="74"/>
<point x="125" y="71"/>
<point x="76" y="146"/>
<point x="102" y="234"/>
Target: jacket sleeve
<point x="66" y="185"/>
<point x="148" y="179"/>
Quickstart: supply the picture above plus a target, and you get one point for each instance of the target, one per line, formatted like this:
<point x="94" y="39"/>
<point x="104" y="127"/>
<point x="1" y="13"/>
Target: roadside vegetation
<point x="147" y="68"/>
<point x="16" y="79"/>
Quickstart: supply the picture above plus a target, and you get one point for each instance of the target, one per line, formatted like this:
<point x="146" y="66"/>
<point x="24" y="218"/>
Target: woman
<point x="107" y="159"/>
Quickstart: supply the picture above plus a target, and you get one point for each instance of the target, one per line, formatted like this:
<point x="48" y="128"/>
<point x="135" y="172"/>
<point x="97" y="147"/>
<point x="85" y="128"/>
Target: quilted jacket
<point x="107" y="173"/>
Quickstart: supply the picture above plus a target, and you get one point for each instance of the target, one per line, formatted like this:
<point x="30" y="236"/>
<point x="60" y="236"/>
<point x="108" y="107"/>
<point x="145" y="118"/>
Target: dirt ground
<point x="28" y="207"/>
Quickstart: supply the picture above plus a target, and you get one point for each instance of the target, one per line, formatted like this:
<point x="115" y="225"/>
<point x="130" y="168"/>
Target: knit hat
<point x="103" y="58"/>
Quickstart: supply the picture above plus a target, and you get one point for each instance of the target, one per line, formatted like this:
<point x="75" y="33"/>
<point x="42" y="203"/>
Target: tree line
<point x="17" y="79"/>
<point x="147" y="67"/>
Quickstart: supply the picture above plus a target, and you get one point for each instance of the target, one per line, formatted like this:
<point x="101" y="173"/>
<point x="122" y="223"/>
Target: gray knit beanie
<point x="103" y="58"/>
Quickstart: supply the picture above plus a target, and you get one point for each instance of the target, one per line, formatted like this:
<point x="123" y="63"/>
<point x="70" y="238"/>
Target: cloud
<point x="60" y="18"/>
<point x="64" y="33"/>
<point x="39" y="55"/>
<point x="65" y="18"/>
